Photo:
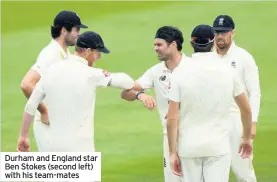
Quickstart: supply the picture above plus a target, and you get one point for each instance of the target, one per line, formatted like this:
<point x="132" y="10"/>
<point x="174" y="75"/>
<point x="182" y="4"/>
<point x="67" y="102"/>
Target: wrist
<point x="138" y="94"/>
<point x="24" y="134"/>
<point x="173" y="153"/>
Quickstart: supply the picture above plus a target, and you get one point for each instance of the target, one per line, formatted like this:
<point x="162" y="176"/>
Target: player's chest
<point x="234" y="61"/>
<point x="162" y="82"/>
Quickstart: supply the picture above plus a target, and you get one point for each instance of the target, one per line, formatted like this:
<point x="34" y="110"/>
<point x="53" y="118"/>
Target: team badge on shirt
<point x="233" y="64"/>
<point x="106" y="73"/>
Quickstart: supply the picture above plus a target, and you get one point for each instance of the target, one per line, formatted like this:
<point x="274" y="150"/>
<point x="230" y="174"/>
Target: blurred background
<point x="128" y="135"/>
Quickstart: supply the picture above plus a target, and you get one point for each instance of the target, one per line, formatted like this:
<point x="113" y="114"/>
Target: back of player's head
<point x="170" y="34"/>
<point x="92" y="40"/>
<point x="66" y="19"/>
<point x="202" y="38"/>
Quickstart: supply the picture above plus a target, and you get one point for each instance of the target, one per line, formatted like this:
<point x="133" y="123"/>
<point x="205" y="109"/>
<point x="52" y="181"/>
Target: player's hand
<point x="253" y="130"/>
<point x="245" y="148"/>
<point x="44" y="117"/>
<point x="147" y="100"/>
<point x="23" y="144"/>
<point x="175" y="164"/>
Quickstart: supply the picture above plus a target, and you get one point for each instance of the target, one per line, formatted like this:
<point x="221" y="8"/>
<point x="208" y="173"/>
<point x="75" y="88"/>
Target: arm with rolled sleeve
<point x="33" y="76"/>
<point x="115" y="80"/>
<point x="35" y="99"/>
<point x="252" y="83"/>
<point x="146" y="80"/>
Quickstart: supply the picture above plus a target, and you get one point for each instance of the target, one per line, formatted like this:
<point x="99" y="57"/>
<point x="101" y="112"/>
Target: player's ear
<point x="89" y="51"/>
<point x="64" y="31"/>
<point x="233" y="33"/>
<point x="174" y="44"/>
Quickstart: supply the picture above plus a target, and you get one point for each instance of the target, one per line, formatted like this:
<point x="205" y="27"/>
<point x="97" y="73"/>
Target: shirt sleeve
<point x="35" y="99"/>
<point x="174" y="92"/>
<point x="102" y="77"/>
<point x="251" y="79"/>
<point x="238" y="86"/>
<point x="146" y="80"/>
<point x="42" y="63"/>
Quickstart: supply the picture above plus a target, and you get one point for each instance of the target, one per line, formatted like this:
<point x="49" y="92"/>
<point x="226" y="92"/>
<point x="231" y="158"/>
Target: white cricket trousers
<point x="168" y="174"/>
<point x="242" y="168"/>
<point x="206" y="169"/>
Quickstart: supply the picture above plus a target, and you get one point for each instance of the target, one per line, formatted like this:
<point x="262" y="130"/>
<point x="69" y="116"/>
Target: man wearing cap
<point x="168" y="46"/>
<point x="244" y="64"/>
<point x="64" y="32"/>
<point x="68" y="89"/>
<point x="199" y="101"/>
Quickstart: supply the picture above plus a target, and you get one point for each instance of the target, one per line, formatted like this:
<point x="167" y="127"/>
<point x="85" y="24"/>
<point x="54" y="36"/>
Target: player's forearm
<point x="27" y="89"/>
<point x="246" y="119"/>
<point x="172" y="132"/>
<point x="129" y="95"/>
<point x="26" y="122"/>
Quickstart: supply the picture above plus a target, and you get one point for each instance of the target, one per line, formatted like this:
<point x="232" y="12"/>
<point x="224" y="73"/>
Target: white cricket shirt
<point x="159" y="77"/>
<point x="69" y="88"/>
<point x="48" y="56"/>
<point x="245" y="65"/>
<point x="205" y="88"/>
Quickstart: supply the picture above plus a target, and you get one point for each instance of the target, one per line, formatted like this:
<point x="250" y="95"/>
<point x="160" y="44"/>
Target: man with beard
<point x="243" y="62"/>
<point x="168" y="46"/>
<point x="65" y="31"/>
<point x="69" y="90"/>
<point x="198" y="123"/>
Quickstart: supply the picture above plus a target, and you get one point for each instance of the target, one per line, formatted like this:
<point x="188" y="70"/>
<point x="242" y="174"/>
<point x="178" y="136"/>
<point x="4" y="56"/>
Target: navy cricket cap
<point x="223" y="23"/>
<point x="202" y="35"/>
<point x="68" y="18"/>
<point x="92" y="40"/>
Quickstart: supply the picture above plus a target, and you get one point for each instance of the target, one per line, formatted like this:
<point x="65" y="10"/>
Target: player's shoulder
<point x="242" y="52"/>
<point x="50" y="50"/>
<point x="158" y="66"/>
<point x="156" y="69"/>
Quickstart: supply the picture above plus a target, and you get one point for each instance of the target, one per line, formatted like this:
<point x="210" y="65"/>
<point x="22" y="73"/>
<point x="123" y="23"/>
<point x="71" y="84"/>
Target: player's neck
<point x="173" y="62"/>
<point x="222" y="52"/>
<point x="62" y="43"/>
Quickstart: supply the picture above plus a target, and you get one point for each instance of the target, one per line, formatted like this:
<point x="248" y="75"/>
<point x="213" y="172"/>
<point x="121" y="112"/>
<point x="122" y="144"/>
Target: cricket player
<point x="198" y="117"/>
<point x="64" y="32"/>
<point x="68" y="89"/>
<point x="168" y="46"/>
<point x="245" y="65"/>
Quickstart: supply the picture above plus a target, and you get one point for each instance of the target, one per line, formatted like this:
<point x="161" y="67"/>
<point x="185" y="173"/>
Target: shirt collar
<point x="62" y="52"/>
<point x="165" y="67"/>
<point x="80" y="59"/>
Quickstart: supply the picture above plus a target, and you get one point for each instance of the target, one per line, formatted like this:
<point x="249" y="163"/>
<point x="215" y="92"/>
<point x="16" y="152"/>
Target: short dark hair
<point x="170" y="34"/>
<point x="56" y="30"/>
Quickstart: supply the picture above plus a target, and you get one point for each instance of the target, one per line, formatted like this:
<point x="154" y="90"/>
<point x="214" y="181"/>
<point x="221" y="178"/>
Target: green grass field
<point x="128" y="135"/>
